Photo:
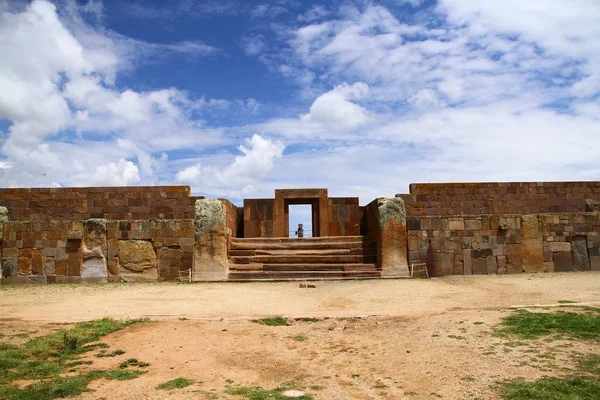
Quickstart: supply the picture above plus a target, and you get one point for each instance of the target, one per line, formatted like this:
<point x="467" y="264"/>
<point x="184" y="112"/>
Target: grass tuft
<point x="177" y="383"/>
<point x="271" y="321"/>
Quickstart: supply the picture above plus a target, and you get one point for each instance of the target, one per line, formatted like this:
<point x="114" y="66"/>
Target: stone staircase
<point x="289" y="259"/>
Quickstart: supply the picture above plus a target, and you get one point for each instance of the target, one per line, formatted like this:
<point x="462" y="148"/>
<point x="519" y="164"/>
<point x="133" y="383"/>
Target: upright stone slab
<point x="393" y="251"/>
<point x="94" y="251"/>
<point x="532" y="245"/>
<point x="6" y="267"/>
<point x="210" y="245"/>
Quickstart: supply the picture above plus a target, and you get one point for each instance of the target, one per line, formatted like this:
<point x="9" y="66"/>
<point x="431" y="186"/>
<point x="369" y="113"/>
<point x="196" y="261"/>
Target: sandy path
<point x="69" y="303"/>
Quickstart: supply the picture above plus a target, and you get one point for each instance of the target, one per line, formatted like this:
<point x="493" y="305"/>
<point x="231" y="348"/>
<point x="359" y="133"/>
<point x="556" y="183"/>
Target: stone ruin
<point x="147" y="234"/>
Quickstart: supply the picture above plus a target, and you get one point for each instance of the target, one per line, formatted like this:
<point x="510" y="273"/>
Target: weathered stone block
<point x="447" y="264"/>
<point x="472" y="224"/>
<point x="61" y="267"/>
<point x="581" y="260"/>
<point x="458" y="268"/>
<point x="595" y="263"/>
<point x="508" y="223"/>
<point x="559" y="246"/>
<point x="393" y="252"/>
<point x="467" y="262"/>
<point x="49" y="267"/>
<point x="137" y="261"/>
<point x="492" y="266"/>
<point x="532" y="245"/>
<point x="563" y="261"/>
<point x="456" y="225"/>
<point x="210" y="246"/>
<point x="479" y="266"/>
<point x="548" y="266"/>
<point x="37" y="263"/>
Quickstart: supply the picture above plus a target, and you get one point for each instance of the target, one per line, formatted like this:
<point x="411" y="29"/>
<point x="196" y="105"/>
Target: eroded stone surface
<point x="137" y="261"/>
<point x="533" y="248"/>
<point x="393" y="249"/>
<point x="210" y="245"/>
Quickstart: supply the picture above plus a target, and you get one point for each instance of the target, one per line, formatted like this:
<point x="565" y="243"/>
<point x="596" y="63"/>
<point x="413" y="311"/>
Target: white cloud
<point x="335" y="110"/>
<point x="121" y="173"/>
<point x="56" y="77"/>
<point x="255" y="164"/>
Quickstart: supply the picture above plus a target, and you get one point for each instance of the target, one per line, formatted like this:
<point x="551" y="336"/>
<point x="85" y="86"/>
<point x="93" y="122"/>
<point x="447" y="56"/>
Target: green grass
<point x="122" y="375"/>
<point x="45" y="358"/>
<point x="567" y="302"/>
<point x="46" y="390"/>
<point x="590" y="364"/>
<point x="271" y="321"/>
<point x="133" y="362"/>
<point x="309" y="320"/>
<point x="177" y="383"/>
<point x="300" y="338"/>
<point x="115" y="353"/>
<point x="528" y="325"/>
<point x="551" y="388"/>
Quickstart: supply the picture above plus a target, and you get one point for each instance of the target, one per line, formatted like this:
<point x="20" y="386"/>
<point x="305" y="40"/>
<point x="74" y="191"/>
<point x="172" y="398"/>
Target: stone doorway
<point x="316" y="198"/>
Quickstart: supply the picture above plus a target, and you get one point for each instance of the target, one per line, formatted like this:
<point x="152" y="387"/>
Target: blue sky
<point x="238" y="98"/>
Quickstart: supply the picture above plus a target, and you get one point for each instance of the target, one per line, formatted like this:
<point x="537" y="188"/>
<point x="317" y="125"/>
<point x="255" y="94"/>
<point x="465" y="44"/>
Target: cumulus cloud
<point x="335" y="109"/>
<point x="56" y="78"/>
<point x="255" y="163"/>
<point x="121" y="173"/>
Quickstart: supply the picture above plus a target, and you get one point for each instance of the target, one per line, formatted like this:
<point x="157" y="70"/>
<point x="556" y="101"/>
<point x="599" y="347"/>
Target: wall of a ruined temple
<point x="499" y="198"/>
<point x="112" y="203"/>
<point x="96" y="250"/>
<point x="501" y="244"/>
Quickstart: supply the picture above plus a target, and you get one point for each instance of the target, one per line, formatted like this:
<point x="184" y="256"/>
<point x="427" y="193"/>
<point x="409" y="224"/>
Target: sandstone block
<point x="559" y="246"/>
<point x="532" y="245"/>
<point x="479" y="266"/>
<point x="49" y="267"/>
<point x="595" y="263"/>
<point x="563" y="261"/>
<point x="472" y="224"/>
<point x="37" y="263"/>
<point x="467" y="262"/>
<point x="456" y="225"/>
<point x="210" y="245"/>
<point x="581" y="261"/>
<point x="137" y="261"/>
<point x="393" y="235"/>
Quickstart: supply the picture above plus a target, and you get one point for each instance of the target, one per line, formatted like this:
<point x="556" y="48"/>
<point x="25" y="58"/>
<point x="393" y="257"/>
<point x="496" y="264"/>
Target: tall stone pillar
<point x="386" y="224"/>
<point x="6" y="270"/>
<point x="532" y="245"/>
<point x="210" y="244"/>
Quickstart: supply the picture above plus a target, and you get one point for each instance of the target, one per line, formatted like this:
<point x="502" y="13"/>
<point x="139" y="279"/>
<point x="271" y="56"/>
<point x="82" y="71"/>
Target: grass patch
<point x="271" y="321"/>
<point x="300" y="338"/>
<point x="591" y="364"/>
<point x="567" y="302"/>
<point x="177" y="383"/>
<point x="47" y="389"/>
<point x="115" y="353"/>
<point x="528" y="325"/>
<point x="133" y="362"/>
<point x="122" y="375"/>
<point x="44" y="358"/>
<point x="551" y="388"/>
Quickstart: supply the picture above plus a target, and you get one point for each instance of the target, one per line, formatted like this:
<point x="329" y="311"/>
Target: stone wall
<point x="96" y="250"/>
<point x="113" y="203"/>
<point x="234" y="218"/>
<point x="500" y="198"/>
<point x="259" y="219"/>
<point x="344" y="216"/>
<point x="501" y="244"/>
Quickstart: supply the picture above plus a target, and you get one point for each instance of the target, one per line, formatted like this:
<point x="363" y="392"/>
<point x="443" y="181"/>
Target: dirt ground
<point x="378" y="339"/>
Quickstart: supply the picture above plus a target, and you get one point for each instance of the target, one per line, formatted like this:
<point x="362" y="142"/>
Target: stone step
<point x="285" y="245"/>
<point x="286" y="259"/>
<point x="314" y="252"/>
<point x="300" y="275"/>
<point x="302" y="267"/>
